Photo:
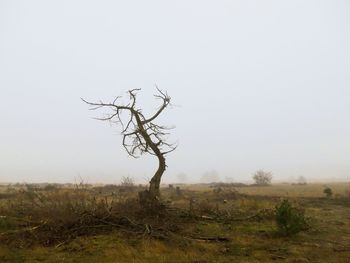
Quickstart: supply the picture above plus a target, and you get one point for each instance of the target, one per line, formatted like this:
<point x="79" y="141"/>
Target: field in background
<point x="245" y="220"/>
<point x="284" y="190"/>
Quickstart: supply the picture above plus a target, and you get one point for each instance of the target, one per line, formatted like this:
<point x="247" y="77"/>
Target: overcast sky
<point x="256" y="84"/>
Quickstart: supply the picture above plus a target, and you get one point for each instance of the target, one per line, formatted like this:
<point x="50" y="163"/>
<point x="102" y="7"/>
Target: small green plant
<point x="328" y="192"/>
<point x="290" y="220"/>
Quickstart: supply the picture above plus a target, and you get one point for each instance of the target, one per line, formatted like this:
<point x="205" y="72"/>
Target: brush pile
<point x="53" y="217"/>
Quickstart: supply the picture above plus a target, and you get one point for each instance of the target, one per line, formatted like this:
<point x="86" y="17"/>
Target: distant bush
<point x="127" y="185"/>
<point x="290" y="220"/>
<point x="302" y="180"/>
<point x="217" y="190"/>
<point x="328" y="192"/>
<point x="210" y="177"/>
<point x="127" y="182"/>
<point x="51" y="187"/>
<point x="262" y="178"/>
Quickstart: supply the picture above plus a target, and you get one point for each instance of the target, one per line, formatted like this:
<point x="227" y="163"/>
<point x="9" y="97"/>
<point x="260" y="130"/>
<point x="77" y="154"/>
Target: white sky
<point x="258" y="84"/>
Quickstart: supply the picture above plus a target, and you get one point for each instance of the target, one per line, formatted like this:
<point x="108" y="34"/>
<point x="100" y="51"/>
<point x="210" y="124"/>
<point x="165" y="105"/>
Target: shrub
<point x="127" y="182"/>
<point x="290" y="220"/>
<point x="328" y="192"/>
<point x="50" y="187"/>
<point x="302" y="180"/>
<point x="262" y="178"/>
<point x="127" y="185"/>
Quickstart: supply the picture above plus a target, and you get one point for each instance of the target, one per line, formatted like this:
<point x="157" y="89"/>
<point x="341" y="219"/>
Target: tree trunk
<point x="153" y="193"/>
<point x="155" y="181"/>
<point x="150" y="198"/>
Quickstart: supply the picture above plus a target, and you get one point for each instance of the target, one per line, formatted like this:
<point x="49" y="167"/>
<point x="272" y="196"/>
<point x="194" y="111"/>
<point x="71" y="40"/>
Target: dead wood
<point x="140" y="133"/>
<point x="210" y="239"/>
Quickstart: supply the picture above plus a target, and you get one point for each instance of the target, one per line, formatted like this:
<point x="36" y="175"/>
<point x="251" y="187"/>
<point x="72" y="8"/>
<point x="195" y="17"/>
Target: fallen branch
<point x="207" y="217"/>
<point x="27" y="229"/>
<point x="341" y="249"/>
<point x="210" y="239"/>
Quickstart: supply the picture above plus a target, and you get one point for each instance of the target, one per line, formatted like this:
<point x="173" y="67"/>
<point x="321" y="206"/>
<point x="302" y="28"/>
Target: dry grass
<point x="59" y="216"/>
<point x="245" y="219"/>
<point x="285" y="190"/>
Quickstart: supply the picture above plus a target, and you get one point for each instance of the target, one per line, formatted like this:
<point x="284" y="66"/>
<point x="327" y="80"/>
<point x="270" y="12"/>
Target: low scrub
<point x="290" y="220"/>
<point x="61" y="215"/>
<point x="328" y="192"/>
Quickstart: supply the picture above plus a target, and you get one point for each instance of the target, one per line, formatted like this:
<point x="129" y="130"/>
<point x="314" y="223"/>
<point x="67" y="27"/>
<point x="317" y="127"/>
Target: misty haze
<point x="214" y="130"/>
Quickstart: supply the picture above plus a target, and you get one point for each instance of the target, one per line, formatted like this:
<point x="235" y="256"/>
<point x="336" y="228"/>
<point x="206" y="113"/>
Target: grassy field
<point x="243" y="217"/>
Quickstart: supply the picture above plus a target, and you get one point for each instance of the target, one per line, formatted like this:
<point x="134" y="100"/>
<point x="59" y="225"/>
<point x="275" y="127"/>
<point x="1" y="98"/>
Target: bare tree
<point x="141" y="134"/>
<point x="262" y="178"/>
